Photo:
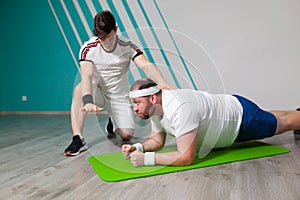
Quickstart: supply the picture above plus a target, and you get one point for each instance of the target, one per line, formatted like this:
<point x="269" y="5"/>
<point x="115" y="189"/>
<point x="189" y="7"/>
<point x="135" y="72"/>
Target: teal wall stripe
<point x="117" y="17"/>
<point x="130" y="78"/>
<point x="76" y="20"/>
<point x="177" y="49"/>
<point x="87" y="14"/>
<point x="159" y="45"/>
<point x="97" y="6"/>
<point x="66" y="28"/>
<point x="135" y="25"/>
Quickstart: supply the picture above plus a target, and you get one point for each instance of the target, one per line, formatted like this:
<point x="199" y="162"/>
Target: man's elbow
<point x="184" y="161"/>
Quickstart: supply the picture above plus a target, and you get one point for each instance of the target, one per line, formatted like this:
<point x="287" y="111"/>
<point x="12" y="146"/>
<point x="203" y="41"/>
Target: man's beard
<point x="143" y="116"/>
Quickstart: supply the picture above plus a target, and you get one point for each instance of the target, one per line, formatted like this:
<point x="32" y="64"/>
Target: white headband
<point x="143" y="92"/>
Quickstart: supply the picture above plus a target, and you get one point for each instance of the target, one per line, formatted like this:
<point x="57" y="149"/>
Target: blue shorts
<point x="256" y="123"/>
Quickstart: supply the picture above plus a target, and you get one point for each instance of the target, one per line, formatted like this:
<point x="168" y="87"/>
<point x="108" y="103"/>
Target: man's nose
<point x="135" y="109"/>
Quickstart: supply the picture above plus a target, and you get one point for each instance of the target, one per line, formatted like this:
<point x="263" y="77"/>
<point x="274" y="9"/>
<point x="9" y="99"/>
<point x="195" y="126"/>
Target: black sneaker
<point x="110" y="134"/>
<point x="297" y="132"/>
<point x="78" y="145"/>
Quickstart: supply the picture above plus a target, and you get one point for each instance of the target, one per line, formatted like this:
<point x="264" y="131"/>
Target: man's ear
<point x="153" y="98"/>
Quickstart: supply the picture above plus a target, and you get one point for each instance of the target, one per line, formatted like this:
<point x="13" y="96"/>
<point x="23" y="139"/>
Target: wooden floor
<point x="33" y="166"/>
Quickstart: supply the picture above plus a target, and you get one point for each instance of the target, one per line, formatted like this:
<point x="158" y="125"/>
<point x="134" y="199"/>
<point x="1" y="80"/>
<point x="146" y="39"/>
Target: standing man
<point x="213" y="120"/>
<point x="104" y="65"/>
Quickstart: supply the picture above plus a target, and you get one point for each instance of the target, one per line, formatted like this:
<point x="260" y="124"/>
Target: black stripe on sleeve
<point x="136" y="55"/>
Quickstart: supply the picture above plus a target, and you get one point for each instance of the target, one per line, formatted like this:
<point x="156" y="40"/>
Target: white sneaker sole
<point x="84" y="148"/>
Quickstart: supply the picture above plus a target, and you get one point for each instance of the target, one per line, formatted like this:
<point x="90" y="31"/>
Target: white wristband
<point x="149" y="159"/>
<point x="139" y="147"/>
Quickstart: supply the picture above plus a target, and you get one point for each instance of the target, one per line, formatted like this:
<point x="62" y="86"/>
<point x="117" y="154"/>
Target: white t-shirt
<point x="217" y="116"/>
<point x="111" y="66"/>
<point x="110" y="81"/>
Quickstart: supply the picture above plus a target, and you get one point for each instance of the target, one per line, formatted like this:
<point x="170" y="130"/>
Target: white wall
<point x="254" y="43"/>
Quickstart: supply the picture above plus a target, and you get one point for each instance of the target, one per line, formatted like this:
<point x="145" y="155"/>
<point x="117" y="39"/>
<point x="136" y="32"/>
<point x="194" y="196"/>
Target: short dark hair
<point x="104" y="23"/>
<point x="142" y="84"/>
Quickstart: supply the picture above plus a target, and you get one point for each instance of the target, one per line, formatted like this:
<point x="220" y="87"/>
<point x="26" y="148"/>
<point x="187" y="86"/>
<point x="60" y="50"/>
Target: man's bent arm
<point x="155" y="142"/>
<point x="185" y="154"/>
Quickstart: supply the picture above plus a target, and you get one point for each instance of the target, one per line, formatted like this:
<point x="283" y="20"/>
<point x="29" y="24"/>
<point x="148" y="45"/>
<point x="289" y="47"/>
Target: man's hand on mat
<point x="137" y="158"/>
<point x="127" y="149"/>
<point x="89" y="107"/>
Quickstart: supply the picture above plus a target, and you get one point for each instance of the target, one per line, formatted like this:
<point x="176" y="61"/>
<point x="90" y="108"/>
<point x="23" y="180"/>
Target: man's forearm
<point x="172" y="158"/>
<point x="150" y="70"/>
<point x="86" y="85"/>
<point x="152" y="145"/>
<point x="153" y="73"/>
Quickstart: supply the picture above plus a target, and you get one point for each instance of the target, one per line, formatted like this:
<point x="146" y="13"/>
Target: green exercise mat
<point x="114" y="167"/>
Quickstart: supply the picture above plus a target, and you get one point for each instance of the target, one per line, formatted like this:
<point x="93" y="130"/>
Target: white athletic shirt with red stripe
<point x="111" y="67"/>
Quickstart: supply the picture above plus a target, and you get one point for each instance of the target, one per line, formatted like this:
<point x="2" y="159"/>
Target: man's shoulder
<point x="88" y="47"/>
<point x="123" y="38"/>
<point x="126" y="42"/>
<point x="177" y="92"/>
<point x="176" y="98"/>
<point x="171" y="99"/>
<point x="92" y="40"/>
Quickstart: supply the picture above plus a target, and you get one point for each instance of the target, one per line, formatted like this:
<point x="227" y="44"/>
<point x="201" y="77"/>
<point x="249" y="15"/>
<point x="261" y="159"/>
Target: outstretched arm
<point x="87" y="73"/>
<point x="152" y="72"/>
